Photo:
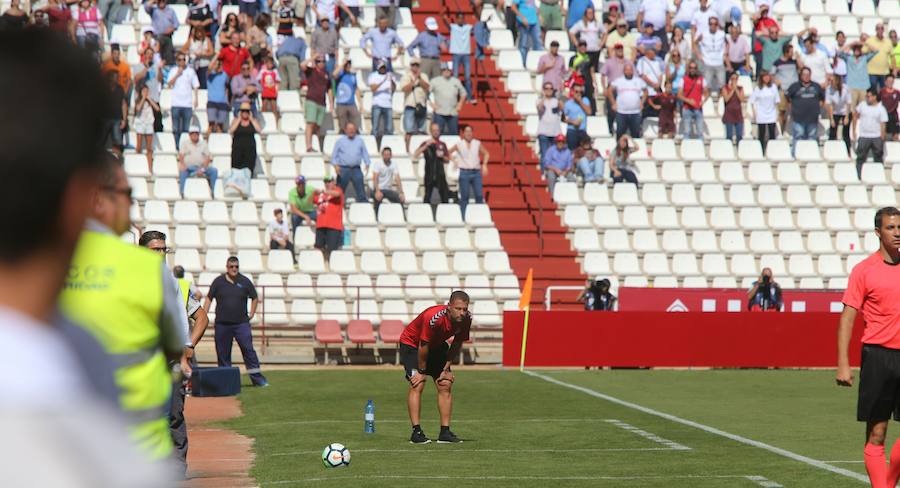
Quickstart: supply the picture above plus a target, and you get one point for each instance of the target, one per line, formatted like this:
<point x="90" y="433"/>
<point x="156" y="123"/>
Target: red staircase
<point x="530" y="229"/>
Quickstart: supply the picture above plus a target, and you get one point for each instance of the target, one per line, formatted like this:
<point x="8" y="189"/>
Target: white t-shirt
<point x="183" y="90"/>
<point x="655" y="12"/>
<point x="700" y="20"/>
<point x="818" y="64"/>
<point x="686" y="11"/>
<point x="589" y="33"/>
<point x="653" y="70"/>
<point x="712" y="47"/>
<point x="760" y="3"/>
<point x="628" y="94"/>
<point x="383" y="95"/>
<point x="870" y="119"/>
<point x="325" y="8"/>
<point x="387" y="173"/>
<point x="765" y="104"/>
<point x="722" y="8"/>
<point x="282" y="230"/>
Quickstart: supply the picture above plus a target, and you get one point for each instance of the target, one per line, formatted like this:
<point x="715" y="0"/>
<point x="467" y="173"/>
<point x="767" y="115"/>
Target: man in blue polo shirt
<point x="349" y="154"/>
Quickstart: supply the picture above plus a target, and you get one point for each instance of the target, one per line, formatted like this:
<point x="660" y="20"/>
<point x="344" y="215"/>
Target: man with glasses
<point x="318" y="87"/>
<point x="183" y="83"/>
<point x="415" y="86"/>
<point x="880" y="65"/>
<point x="621" y="37"/>
<point x="576" y="110"/>
<point x="612" y="70"/>
<point x="627" y="96"/>
<point x="190" y="296"/>
<point x="709" y="47"/>
<point x="244" y="89"/>
<point x="550" y="109"/>
<point x="553" y="67"/>
<point x="382" y="39"/>
<point x="693" y="93"/>
<point x="231" y="292"/>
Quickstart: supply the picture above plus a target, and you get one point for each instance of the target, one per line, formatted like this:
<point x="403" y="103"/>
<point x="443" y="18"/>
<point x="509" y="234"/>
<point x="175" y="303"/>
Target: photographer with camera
<point x="597" y="296"/>
<point x="765" y="295"/>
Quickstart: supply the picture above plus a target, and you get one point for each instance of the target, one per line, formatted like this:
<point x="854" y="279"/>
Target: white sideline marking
<point x="712" y="430"/>
<point x="406" y="421"/>
<point x="759" y="480"/>
<point x="464" y="450"/>
<point x="844" y="462"/>
<point x="649" y="436"/>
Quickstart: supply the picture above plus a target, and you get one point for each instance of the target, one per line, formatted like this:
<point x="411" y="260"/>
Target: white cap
<point x="194" y="128"/>
<point x="431" y="24"/>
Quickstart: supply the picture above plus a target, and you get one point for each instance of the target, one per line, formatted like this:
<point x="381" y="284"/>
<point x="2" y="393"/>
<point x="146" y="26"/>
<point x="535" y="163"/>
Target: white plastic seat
<point x="828" y="196"/>
<point x="703" y="241"/>
<point x="721" y="150"/>
<point x="585" y="240"/>
<point x="251" y="261"/>
<point x="478" y="286"/>
<point x="683" y="194"/>
<point x="367" y="238"/>
<point x="329" y="285"/>
<point x="304" y="237"/>
<point x="856" y="196"/>
<point x="635" y="217"/>
<point x="270" y="285"/>
<point x="625" y="264"/>
<point x="653" y="194"/>
<point x="625" y="194"/>
<point x="781" y="219"/>
<point x="703" y="172"/>
<point x="693" y="150"/>
<point x="486" y="313"/>
<point x="566" y="192"/>
<point x="418" y="287"/>
<point x="809" y="219"/>
<point x="404" y="263"/>
<point x="311" y="261"/>
<point x="488" y="239"/>
<point x="333" y="309"/>
<point x="278" y="261"/>
<point x="656" y="264"/>
<point x="694" y="218"/>
<point x="807" y="150"/>
<point x="790" y="242"/>
<point x="714" y="265"/>
<point x="751" y="150"/>
<point x="685" y="264"/>
<point x="167" y="189"/>
<point x="664" y="149"/>
<point x="665" y="218"/>
<point x="751" y="218"/>
<point x="743" y="265"/>
<point x="157" y="212"/>
<point x="674" y="172"/>
<point x="596" y="193"/>
<point x="732" y="241"/>
<point x="217" y="237"/>
<point x="300" y="285"/>
<point x="838" y="219"/>
<point x="770" y="196"/>
<point x="342" y="262"/>
<point x="457" y="239"/>
<point x="362" y="214"/>
<point x="496" y="262"/>
<point x="428" y="239"/>
<point x="873" y="174"/>
<point x="672" y="241"/>
<point x="444" y="285"/>
<point x="732" y="173"/>
<point x="391" y="215"/>
<point x="187" y="236"/>
<point x="244" y="213"/>
<point x="645" y="241"/>
<point x="760" y="172"/>
<point x="477" y="215"/>
<point x="712" y="195"/>
<point x="722" y="218"/>
<point x="596" y="264"/>
<point x="817" y="173"/>
<point x="798" y="196"/>
<point x="576" y="216"/>
<point x="884" y="196"/>
<point x="372" y="263"/>
<point x="741" y="196"/>
<point x="420" y="215"/>
<point x="466" y="262"/>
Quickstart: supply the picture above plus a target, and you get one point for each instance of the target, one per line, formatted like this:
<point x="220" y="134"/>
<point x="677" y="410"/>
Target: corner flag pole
<point x="525" y="304"/>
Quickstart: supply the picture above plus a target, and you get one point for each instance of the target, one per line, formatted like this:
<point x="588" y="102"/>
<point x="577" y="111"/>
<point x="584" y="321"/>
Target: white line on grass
<point x="759" y="480"/>
<point x="712" y="430"/>
<point x="463" y="450"/>
<point x="843" y="462"/>
<point x="649" y="436"/>
<point x="406" y="421"/>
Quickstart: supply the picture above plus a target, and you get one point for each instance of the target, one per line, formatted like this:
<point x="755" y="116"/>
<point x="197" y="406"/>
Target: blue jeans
<point x="877" y="81"/>
<point x="692" y="123"/>
<point x="297" y="221"/>
<point x="574" y="137"/>
<point x="181" y="120"/>
<point x="353" y="174"/>
<point x="211" y="174"/>
<point x="544" y="142"/>
<point x="463" y="60"/>
<point x="382" y="121"/>
<point x="803" y="132"/>
<point x="591" y="170"/>
<point x="449" y="124"/>
<point x="529" y="39"/>
<point x="225" y="335"/>
<point x="469" y="178"/>
<point x="733" y="131"/>
<point x="630" y="123"/>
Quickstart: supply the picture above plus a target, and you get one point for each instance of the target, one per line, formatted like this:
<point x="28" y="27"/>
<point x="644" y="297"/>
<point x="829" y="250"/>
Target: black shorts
<point x="879" y="384"/>
<point x="329" y="239"/>
<point x="437" y="358"/>
<point x="892" y="126"/>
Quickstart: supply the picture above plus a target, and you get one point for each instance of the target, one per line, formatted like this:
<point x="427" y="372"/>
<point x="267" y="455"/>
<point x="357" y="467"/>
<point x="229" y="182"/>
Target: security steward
<point x="127" y="298"/>
<point x="198" y="321"/>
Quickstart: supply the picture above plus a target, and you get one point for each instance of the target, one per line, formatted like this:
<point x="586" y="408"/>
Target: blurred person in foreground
<point x="68" y="404"/>
<point x="597" y="296"/>
<point x="765" y="295"/>
<point x="873" y="291"/>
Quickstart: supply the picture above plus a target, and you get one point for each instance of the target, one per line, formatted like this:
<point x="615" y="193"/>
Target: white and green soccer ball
<point x="335" y="456"/>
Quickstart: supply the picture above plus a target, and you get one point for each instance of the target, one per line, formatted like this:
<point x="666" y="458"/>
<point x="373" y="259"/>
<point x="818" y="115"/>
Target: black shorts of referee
<point x="879" y="384"/>
<point x="437" y="358"/>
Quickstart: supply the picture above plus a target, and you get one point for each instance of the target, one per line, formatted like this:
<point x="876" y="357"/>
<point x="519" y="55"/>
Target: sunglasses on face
<point x="232" y="266"/>
<point x="125" y="192"/>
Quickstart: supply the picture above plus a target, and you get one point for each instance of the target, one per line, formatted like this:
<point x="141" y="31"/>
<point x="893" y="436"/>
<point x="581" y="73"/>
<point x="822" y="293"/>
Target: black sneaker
<point x="448" y="437"/>
<point x="419" y="437"/>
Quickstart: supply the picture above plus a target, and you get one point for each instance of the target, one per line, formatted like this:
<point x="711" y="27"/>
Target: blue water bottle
<point x="370" y="417"/>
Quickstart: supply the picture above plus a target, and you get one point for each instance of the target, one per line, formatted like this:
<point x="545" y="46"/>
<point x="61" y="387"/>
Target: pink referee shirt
<point x="874" y="290"/>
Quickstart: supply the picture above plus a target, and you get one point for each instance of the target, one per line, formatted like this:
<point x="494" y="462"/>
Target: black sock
<point x="417" y="428"/>
<point x="445" y="428"/>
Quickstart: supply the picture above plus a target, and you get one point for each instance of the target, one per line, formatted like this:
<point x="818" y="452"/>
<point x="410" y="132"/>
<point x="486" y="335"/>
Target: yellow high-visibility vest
<point x="184" y="285"/>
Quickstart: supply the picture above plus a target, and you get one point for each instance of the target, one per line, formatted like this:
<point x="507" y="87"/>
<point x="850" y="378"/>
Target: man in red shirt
<point x="424" y="352"/>
<point x="233" y="56"/>
<point x="874" y="289"/>
<point x="330" y="217"/>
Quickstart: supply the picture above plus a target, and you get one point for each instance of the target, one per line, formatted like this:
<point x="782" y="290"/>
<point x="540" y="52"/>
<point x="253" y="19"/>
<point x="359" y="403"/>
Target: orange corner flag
<point x="525" y="300"/>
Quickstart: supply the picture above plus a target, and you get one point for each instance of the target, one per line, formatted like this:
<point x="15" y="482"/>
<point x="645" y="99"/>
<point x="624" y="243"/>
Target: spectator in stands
<point x="280" y="234"/>
<point x="890" y="98"/>
<point x="165" y="22"/>
<point x="472" y="160"/>
<point x="764" y="101"/>
<point x="325" y="44"/>
<point x="693" y="94"/>
<point x="558" y="163"/>
<point x="217" y="108"/>
<point x="151" y="74"/>
<point x="382" y="84"/>
<point x="733" y="116"/>
<point x="700" y="20"/>
<point x="550" y="109"/>
<point x="201" y="17"/>
<point x="59" y="16"/>
<point x="302" y="203"/>
<point x="116" y="114"/>
<point x="895" y="53"/>
<point x="382" y="39"/>
<point x="461" y="50"/>
<point x="680" y="44"/>
<point x="415" y="85"/>
<point x="869" y="130"/>
<point x="245" y="89"/>
<point x="583" y="74"/>
<point x="880" y="64"/>
<point x="786" y="73"/>
<point x="90" y="31"/>
<point x="591" y="163"/>
<point x="837" y="101"/>
<point x="386" y="9"/>
<point x="436" y="156"/>
<point x="613" y="69"/>
<point x="551" y="14"/>
<point x="805" y="100"/>
<point x="656" y="13"/>
<point x="257" y="40"/>
<point x="675" y="68"/>
<point x="327" y="9"/>
<point x="183" y="83"/>
<point x="651" y="70"/>
<point x="684" y="14"/>
<point x="630" y="11"/>
<point x="528" y="25"/>
<point x="143" y="123"/>
<point x="291" y="53"/>
<point x="349" y="16"/>
<point x="621" y="36"/>
<point x="621" y="167"/>
<point x="482" y="35"/>
<point x="199" y="50"/>
<point x="709" y="48"/>
<point x="115" y="64"/>
<point x="347" y="158"/>
<point x="234" y="56"/>
<point x="664" y="103"/>
<point x="648" y="40"/>
<point x="857" y="71"/>
<point x="229" y="27"/>
<point x="772" y="47"/>
<point x="347" y="96"/>
<point x="576" y="11"/>
<point x="429" y="45"/>
<point x="588" y="30"/>
<point x="596" y="296"/>
<point x="553" y="67"/>
<point x="448" y="96"/>
<point x="627" y="96"/>
<point x="762" y="24"/>
<point x="268" y="80"/>
<point x="576" y="111"/>
<point x="816" y="61"/>
<point x="243" y="132"/>
<point x="386" y="183"/>
<point x="738" y="52"/>
<point x="194" y="160"/>
<point x="318" y="85"/>
<point x="329" y="218"/>
<point x="765" y="295"/>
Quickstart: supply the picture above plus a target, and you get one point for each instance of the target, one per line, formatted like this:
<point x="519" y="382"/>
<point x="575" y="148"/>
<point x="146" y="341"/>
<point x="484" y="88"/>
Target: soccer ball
<point x="335" y="456"/>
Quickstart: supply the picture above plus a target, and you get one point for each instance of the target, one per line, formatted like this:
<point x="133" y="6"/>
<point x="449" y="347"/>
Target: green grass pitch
<point x="524" y="431"/>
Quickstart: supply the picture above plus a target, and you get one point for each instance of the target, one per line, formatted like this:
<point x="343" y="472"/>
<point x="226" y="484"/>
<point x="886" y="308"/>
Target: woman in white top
<point x="199" y="50"/>
<point x="143" y="123"/>
<point x="837" y="99"/>
<point x="550" y="109"/>
<point x="470" y="156"/>
<point x="681" y="44"/>
<point x="588" y="29"/>
<point x="764" y="102"/>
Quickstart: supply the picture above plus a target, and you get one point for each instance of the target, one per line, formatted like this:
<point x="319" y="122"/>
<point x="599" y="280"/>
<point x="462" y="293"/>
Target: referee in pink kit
<point x="874" y="290"/>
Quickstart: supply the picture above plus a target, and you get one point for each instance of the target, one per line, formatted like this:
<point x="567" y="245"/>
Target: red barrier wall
<point x="661" y="339"/>
<point x="720" y="300"/>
